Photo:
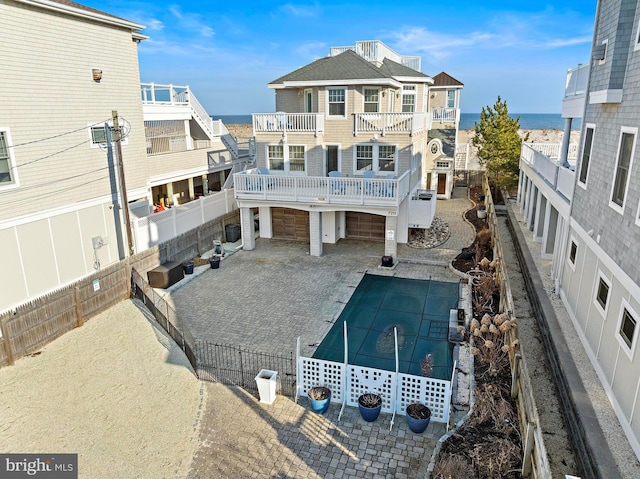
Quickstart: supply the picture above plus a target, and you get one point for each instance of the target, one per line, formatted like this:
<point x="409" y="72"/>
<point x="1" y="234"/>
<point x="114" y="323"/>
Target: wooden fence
<point x="33" y="325"/>
<point x="535" y="462"/>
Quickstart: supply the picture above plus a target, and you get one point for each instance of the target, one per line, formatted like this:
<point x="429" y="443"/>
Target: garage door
<point x="365" y="226"/>
<point x="290" y="224"/>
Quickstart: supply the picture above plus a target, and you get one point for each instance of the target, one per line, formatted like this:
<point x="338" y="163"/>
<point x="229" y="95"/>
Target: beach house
<point x="587" y="216"/>
<point x="86" y="150"/>
<point x="343" y="155"/>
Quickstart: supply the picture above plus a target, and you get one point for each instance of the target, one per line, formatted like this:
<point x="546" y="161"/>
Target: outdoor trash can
<point x="266" y="381"/>
<point x="232" y="232"/>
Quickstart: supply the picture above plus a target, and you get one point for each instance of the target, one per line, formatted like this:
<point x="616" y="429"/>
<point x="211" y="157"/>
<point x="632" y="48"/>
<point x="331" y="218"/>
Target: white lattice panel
<point x="361" y="380"/>
<point x="435" y="393"/>
<point x="317" y="372"/>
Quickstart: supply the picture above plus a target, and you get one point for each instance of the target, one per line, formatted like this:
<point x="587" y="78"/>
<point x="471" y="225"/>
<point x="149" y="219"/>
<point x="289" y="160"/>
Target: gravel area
<point x="116" y="391"/>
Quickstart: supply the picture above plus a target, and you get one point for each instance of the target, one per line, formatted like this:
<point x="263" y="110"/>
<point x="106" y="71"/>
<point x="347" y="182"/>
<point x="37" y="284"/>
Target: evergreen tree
<point x="499" y="144"/>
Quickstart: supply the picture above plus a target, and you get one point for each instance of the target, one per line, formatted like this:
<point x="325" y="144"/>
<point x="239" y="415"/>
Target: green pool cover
<point x="418" y="309"/>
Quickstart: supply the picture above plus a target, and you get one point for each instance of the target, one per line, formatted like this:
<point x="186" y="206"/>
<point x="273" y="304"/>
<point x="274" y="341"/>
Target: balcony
<point x="575" y="91"/>
<point x="320" y="190"/>
<point x="288" y="122"/>
<point x="445" y="115"/>
<point x="376" y="51"/>
<point x="561" y="179"/>
<point x="383" y="123"/>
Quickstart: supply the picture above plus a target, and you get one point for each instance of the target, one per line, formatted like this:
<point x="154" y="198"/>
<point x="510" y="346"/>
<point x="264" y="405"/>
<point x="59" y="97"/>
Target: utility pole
<point x="123" y="186"/>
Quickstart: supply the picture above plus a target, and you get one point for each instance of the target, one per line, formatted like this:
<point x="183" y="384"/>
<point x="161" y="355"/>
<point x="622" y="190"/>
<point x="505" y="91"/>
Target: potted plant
<point x="418" y="417"/>
<point x="370" y="405"/>
<point x="319" y="399"/>
<point x="482" y="212"/>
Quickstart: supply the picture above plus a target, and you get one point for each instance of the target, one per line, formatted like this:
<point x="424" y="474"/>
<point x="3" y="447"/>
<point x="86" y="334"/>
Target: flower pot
<point x="370" y="406"/>
<point x="418" y="417"/>
<point x="188" y="267"/>
<point x="267" y="381"/>
<point x="214" y="262"/>
<point x="319" y="399"/>
<point x="482" y="213"/>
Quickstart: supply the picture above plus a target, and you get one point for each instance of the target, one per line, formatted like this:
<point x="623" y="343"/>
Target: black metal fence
<point x="235" y="366"/>
<point x="230" y="365"/>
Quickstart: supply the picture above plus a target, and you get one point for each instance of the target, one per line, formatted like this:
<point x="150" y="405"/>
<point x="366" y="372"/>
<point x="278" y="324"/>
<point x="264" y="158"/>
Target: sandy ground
<point x="98" y="391"/>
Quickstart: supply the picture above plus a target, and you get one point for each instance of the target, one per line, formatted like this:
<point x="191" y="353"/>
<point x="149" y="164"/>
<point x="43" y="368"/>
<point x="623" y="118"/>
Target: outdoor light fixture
<point x="97" y="74"/>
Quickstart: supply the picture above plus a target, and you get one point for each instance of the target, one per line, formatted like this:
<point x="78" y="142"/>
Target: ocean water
<point x="528" y="121"/>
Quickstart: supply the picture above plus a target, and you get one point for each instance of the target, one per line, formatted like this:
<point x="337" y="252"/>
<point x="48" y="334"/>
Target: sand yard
<point x="117" y="391"/>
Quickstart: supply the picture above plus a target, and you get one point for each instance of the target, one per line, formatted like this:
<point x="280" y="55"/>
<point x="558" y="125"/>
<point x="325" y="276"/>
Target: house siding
<point x="43" y="96"/>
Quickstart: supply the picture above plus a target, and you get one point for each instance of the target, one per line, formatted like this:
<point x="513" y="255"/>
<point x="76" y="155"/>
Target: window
<point x="408" y="98"/>
<point x="7" y="172"/>
<point x="276" y="157"/>
<point x="627" y="330"/>
<point x="288" y="158"/>
<point x="602" y="293"/>
<point x="371" y="100"/>
<point x="623" y="167"/>
<point x="451" y="98"/>
<point x="364" y="157"/>
<point x="573" y="252"/>
<point x="386" y="158"/>
<point x="442" y="164"/>
<point x="98" y="134"/>
<point x="296" y="158"/>
<point x="586" y="155"/>
<point x="337" y="98"/>
<point x="375" y="157"/>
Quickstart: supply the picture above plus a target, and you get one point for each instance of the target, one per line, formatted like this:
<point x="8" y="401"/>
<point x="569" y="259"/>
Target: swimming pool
<point x="419" y="309"/>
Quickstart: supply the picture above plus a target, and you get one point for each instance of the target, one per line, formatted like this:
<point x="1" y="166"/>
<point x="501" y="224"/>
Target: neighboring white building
<point x="587" y="218"/>
<point x="61" y="201"/>
<point x="343" y="156"/>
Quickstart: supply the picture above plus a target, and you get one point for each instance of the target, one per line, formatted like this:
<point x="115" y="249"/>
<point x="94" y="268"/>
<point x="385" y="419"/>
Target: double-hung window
<point x="337" y="98"/>
<point x="623" y="167"/>
<point x="586" y="155"/>
<point x="376" y="158"/>
<point x="408" y="98"/>
<point x="451" y="98"/>
<point x="7" y="173"/>
<point x="371" y="100"/>
<point x="287" y="158"/>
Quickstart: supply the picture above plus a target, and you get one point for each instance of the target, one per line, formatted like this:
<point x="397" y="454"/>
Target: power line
<point x="49" y="156"/>
<point x="57" y="136"/>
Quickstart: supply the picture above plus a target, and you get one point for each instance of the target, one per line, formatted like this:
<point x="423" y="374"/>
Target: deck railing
<point x="577" y="81"/>
<point x="445" y="114"/>
<point x="557" y="176"/>
<point x="288" y="122"/>
<point x="249" y="185"/>
<point x="552" y="150"/>
<point x="383" y="123"/>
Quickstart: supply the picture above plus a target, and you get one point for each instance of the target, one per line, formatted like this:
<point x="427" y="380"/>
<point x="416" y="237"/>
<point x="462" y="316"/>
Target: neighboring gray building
<point x="588" y="217"/>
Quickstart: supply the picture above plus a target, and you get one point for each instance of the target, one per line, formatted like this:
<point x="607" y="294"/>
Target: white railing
<point x="577" y="81"/>
<point x="445" y="114"/>
<point x="383" y="123"/>
<point x="376" y="51"/>
<point x="175" y="95"/>
<point x="249" y="185"/>
<point x="165" y="225"/>
<point x="552" y="150"/>
<point x="558" y="177"/>
<point x="288" y="122"/>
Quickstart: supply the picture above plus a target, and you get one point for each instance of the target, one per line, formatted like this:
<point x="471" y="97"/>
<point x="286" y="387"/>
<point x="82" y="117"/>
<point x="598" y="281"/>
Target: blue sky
<point x="228" y="51"/>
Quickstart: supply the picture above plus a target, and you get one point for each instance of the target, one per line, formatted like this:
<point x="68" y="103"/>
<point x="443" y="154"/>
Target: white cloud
<point x="300" y="10"/>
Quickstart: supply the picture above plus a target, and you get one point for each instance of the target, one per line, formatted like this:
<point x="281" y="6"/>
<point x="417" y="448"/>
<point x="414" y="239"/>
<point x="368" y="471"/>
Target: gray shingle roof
<point x="346" y="66"/>
<point x="448" y="138"/>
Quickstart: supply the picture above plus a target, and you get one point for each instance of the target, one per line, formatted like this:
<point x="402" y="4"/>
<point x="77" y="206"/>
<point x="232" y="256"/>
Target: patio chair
<point x="336" y="185"/>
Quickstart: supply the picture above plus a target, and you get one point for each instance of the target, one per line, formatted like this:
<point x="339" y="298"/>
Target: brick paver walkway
<point x="264" y="300"/>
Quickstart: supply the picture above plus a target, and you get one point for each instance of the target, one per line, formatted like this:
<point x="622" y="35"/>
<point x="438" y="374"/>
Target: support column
<point x="266" y="229"/>
<point x="391" y="237"/>
<point x="566" y="138"/>
<point x="247" y="226"/>
<point x="315" y="233"/>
